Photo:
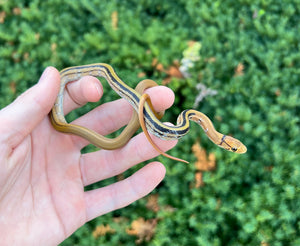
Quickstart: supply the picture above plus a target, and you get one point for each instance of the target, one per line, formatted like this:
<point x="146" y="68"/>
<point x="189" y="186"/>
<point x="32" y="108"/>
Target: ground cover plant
<point x="247" y="53"/>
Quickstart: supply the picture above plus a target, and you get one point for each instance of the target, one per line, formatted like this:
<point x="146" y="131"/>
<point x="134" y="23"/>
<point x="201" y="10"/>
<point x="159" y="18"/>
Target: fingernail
<point x="44" y="74"/>
<point x="98" y="88"/>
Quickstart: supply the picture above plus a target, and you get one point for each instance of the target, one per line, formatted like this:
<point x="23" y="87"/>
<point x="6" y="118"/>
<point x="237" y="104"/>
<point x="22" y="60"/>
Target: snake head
<point x="233" y="145"/>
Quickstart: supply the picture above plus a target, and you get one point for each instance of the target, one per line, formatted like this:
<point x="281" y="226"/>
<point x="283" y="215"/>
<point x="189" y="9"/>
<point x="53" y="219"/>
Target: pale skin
<point x="43" y="173"/>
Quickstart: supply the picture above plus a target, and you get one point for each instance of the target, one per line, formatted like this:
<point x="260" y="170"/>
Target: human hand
<point x="43" y="173"/>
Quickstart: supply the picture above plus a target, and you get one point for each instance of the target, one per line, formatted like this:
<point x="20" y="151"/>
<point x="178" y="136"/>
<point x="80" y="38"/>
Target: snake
<point x="144" y="116"/>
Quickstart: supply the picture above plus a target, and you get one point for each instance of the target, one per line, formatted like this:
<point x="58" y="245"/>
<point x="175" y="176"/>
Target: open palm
<point x="43" y="173"/>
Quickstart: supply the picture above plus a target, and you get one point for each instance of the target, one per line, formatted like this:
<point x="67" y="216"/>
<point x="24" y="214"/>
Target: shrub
<point x="249" y="55"/>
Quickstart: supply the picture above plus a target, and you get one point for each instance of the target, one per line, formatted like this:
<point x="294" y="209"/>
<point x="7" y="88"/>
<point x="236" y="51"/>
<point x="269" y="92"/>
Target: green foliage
<point x="248" y="200"/>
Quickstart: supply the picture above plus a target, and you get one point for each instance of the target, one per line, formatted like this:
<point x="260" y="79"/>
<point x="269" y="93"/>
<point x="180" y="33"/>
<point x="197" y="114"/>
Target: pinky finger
<point x="125" y="192"/>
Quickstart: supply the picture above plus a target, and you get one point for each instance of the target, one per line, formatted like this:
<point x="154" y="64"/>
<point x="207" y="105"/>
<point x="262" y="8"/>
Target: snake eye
<point x="234" y="149"/>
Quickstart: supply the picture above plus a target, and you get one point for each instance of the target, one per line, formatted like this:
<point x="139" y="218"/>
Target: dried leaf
<point x="268" y="168"/>
<point x="263" y="243"/>
<point x="26" y="56"/>
<point x="203" y="162"/>
<point x="114" y="20"/>
<point x="2" y="16"/>
<point x="219" y="203"/>
<point x="211" y="59"/>
<point x="191" y="43"/>
<point x="142" y="229"/>
<point x="166" y="81"/>
<point x="172" y="71"/>
<point x="37" y="36"/>
<point x="218" y="118"/>
<point x="199" y="180"/>
<point x="141" y="74"/>
<point x="152" y="203"/>
<point x="239" y="71"/>
<point x="159" y="67"/>
<point x="17" y="11"/>
<point x="15" y="56"/>
<point x="102" y="230"/>
<point x="53" y="47"/>
<point x="154" y="62"/>
<point x="12" y="86"/>
<point x="169" y="209"/>
<point x="278" y="92"/>
<point x="120" y="220"/>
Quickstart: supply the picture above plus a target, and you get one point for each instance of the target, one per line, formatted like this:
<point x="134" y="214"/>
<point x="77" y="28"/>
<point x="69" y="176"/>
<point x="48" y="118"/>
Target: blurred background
<point x="236" y="61"/>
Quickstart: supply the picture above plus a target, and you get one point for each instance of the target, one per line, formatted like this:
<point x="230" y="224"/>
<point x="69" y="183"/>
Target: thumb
<point x="18" y="119"/>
